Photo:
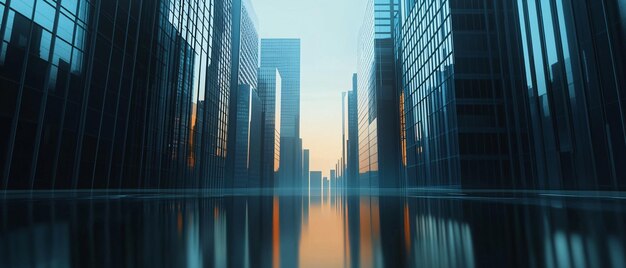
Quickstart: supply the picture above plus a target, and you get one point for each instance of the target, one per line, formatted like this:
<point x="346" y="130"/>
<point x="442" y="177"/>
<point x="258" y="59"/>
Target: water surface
<point x="290" y="229"/>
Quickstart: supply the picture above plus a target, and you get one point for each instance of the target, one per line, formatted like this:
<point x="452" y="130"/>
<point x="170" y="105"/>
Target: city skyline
<point x="328" y="61"/>
<point x="313" y="133"/>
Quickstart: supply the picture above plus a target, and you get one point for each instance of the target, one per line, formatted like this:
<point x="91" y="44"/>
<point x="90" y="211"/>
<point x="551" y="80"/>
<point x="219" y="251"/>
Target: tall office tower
<point x="352" y="173"/>
<point x="284" y="55"/>
<point x="305" y="168"/>
<point x="344" y="131"/>
<point x="270" y="92"/>
<point x="315" y="181"/>
<point x="247" y="150"/>
<point x="333" y="178"/>
<point x="574" y="59"/>
<point x="378" y="105"/>
<point x="464" y="101"/>
<point x="242" y="112"/>
<point x="114" y="94"/>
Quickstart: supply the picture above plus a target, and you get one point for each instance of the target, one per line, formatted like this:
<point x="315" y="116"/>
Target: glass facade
<point x="247" y="151"/>
<point x="270" y="92"/>
<point x="284" y="55"/>
<point x="378" y="116"/>
<point x="243" y="112"/>
<point x="352" y="155"/>
<point x="574" y="61"/>
<point x="514" y="94"/>
<point x="306" y="168"/>
<point x="114" y="94"/>
<point x="463" y="104"/>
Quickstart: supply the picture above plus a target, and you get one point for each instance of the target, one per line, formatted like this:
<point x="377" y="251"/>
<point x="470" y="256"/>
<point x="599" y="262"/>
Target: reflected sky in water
<point x="252" y="229"/>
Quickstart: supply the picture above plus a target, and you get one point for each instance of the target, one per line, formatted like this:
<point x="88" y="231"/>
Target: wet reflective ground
<point x="252" y="229"/>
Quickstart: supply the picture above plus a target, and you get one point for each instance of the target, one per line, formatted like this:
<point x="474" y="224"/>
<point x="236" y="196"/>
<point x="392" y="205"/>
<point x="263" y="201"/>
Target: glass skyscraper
<point x="514" y="94"/>
<point x="574" y="60"/>
<point x="352" y="147"/>
<point x="247" y="150"/>
<point x="379" y="116"/>
<point x="114" y="94"/>
<point x="243" y="162"/>
<point x="284" y="55"/>
<point x="464" y="108"/>
<point x="270" y="92"/>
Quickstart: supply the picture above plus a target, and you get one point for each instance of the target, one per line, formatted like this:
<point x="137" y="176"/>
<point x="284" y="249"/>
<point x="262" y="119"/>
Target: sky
<point x="329" y="32"/>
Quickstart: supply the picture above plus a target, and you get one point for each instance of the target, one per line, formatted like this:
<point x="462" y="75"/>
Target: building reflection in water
<point x="192" y="230"/>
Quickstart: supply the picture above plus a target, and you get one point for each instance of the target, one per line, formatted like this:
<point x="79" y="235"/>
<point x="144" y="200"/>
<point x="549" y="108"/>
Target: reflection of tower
<point x="290" y="230"/>
<point x="354" y="231"/>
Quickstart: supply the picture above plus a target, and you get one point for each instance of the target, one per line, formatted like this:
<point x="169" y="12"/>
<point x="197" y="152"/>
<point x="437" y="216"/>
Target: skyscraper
<point x="315" y="181"/>
<point x="270" y="92"/>
<point x="284" y="55"/>
<point x="115" y="95"/>
<point x="463" y="100"/>
<point x="378" y="104"/>
<point x="244" y="110"/>
<point x="574" y="61"/>
<point x="352" y="155"/>
<point x="305" y="168"/>
<point x="247" y="155"/>
<point x="515" y="94"/>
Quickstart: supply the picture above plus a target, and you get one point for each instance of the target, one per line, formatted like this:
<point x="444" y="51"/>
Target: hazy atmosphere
<point x="329" y="33"/>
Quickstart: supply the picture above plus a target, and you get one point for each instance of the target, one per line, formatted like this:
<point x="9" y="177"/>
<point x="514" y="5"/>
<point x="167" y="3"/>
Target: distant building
<point x="352" y="143"/>
<point x="284" y="55"/>
<point x="305" y="168"/>
<point x="315" y="181"/>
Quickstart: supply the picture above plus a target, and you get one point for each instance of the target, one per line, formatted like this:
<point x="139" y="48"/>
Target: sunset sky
<point x="329" y="31"/>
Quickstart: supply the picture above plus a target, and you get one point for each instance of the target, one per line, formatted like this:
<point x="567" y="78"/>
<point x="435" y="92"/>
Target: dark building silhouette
<point x="514" y="94"/>
<point x="464" y="106"/>
<point x="114" y="94"/>
<point x="574" y="63"/>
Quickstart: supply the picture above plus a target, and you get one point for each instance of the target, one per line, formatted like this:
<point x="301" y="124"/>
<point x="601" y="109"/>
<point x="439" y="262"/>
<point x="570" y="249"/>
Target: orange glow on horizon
<point x="323" y="241"/>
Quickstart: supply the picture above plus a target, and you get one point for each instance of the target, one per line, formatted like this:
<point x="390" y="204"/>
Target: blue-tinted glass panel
<point x="70" y="5"/>
<point x="83" y="10"/>
<point x="77" y="61"/>
<point x="44" y="15"/>
<point x="44" y="48"/>
<point x="79" y="38"/>
<point x="65" y="29"/>
<point x="565" y="43"/>
<point x="62" y="52"/>
<point x="548" y="26"/>
<point x="24" y="7"/>
<point x="9" y="26"/>
<point x="536" y="46"/>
